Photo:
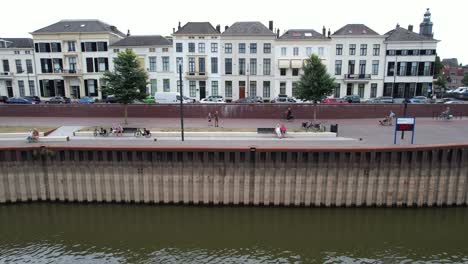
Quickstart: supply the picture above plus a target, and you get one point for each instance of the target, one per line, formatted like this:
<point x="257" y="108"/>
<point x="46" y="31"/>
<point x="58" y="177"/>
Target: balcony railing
<point x="72" y="72"/>
<point x="6" y="75"/>
<point x="357" y="76"/>
<point x="196" y="75"/>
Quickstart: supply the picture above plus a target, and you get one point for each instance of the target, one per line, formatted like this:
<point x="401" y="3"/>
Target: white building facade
<point x="17" y="69"/>
<point x="292" y="49"/>
<point x="357" y="61"/>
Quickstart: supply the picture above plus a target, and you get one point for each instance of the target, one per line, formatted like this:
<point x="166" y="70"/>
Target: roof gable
<point x="355" y="30"/>
<point x="79" y="26"/>
<point x="402" y="34"/>
<point x="135" y="41"/>
<point x="302" y="34"/>
<point x="21" y="43"/>
<point x="248" y="29"/>
<point x="200" y="28"/>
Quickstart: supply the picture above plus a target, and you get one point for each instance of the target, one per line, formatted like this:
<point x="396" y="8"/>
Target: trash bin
<point x="334" y="128"/>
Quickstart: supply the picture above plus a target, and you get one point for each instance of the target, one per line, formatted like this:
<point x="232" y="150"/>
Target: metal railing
<point x="358" y="76"/>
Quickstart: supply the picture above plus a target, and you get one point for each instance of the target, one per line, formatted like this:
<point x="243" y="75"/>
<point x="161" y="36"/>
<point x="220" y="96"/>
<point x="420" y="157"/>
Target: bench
<point x="54" y="139"/>
<point x="266" y="130"/>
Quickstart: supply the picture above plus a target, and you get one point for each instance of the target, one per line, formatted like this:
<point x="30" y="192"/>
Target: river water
<point x="117" y="233"/>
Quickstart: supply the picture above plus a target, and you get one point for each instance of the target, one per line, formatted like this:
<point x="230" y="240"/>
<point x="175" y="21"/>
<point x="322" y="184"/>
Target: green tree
<point x="438" y="67"/>
<point x="128" y="80"/>
<point x="465" y="79"/>
<point x="441" y="81"/>
<point x="315" y="83"/>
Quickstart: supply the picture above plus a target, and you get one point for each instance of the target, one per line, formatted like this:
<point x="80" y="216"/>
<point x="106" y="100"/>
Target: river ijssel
<point x="116" y="233"/>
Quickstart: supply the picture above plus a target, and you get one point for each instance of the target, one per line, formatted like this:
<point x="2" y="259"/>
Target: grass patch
<point x="23" y="129"/>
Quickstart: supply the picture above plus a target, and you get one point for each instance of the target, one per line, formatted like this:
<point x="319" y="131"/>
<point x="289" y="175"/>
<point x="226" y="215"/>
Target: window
<point x="179" y="61"/>
<point x="17" y="52"/>
<point x="337" y="90"/>
<point x="373" y="90"/>
<point x="320" y="51"/>
<point x="179" y="47"/>
<point x="253" y="66"/>
<point x="241" y="48"/>
<point x="193" y="88"/>
<point x="153" y="86"/>
<point x="351" y="65"/>
<point x="214" y="47"/>
<point x="375" y="67"/>
<point x="228" y="48"/>
<point x="391" y="68"/>
<point x="116" y="50"/>
<point x="294" y="89"/>
<point x="391" y="52"/>
<point x="153" y="49"/>
<point x="404" y="52"/>
<point x="349" y="89"/>
<point x="21" y="87"/>
<point x="214" y="65"/>
<point x="267" y="48"/>
<point x="27" y="52"/>
<point x="376" y="50"/>
<point x="163" y="50"/>
<point x="57" y="64"/>
<point x="427" y="68"/>
<point x="361" y="90"/>
<point x="32" y="88"/>
<point x="402" y="69"/>
<point x="362" y="67"/>
<point x="55" y="47"/>
<point x="295" y="72"/>
<point x="102" y="64"/>
<point x="42" y="47"/>
<point x="338" y="65"/>
<point x="253" y="89"/>
<point x="152" y="64"/>
<point x="201" y="66"/>
<point x="101" y="46"/>
<point x="191" y="47"/>
<point x="6" y="66"/>
<point x="414" y="69"/>
<point x="352" y="49"/>
<point x="228" y="66"/>
<point x="266" y="66"/>
<point x="46" y="65"/>
<point x="191" y="64"/>
<point x="295" y="51"/>
<point x="71" y="45"/>
<point x="166" y="85"/>
<point x="283" y="51"/>
<point x="363" y="50"/>
<point x="339" y="49"/>
<point x="266" y="89"/>
<point x="165" y="64"/>
<point x="72" y="64"/>
<point x="282" y="87"/>
<point x="19" y="66"/>
<point x="29" y="66"/>
<point x="91" y="87"/>
<point x="228" y="89"/>
<point x="214" y="88"/>
<point x="253" y="48"/>
<point x="241" y="66"/>
<point x="283" y="72"/>
<point x="201" y="47"/>
<point x="309" y="51"/>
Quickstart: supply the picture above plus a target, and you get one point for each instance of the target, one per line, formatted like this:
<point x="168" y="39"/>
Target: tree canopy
<point x="465" y="79"/>
<point x="315" y="83"/>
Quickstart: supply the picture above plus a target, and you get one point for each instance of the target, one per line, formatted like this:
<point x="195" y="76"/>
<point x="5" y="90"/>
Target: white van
<point x="169" y="98"/>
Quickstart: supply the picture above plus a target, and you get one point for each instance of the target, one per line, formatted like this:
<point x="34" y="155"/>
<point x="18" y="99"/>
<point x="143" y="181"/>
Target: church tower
<point x="425" y="28"/>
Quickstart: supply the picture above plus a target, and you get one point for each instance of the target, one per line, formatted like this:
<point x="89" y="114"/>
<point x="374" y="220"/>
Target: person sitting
<point x="447" y="114"/>
<point x="33" y="135"/>
<point x="391" y="116"/>
<point x="283" y="130"/>
<point x="386" y="121"/>
<point x="289" y="115"/>
<point x="102" y="131"/>
<point x="278" y="131"/>
<point x="146" y="132"/>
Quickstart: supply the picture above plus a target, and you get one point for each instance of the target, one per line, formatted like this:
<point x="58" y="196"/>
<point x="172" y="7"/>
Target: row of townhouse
<point x="246" y="59"/>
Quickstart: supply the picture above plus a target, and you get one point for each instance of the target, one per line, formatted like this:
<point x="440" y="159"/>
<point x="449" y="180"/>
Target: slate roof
<point x="135" y="41"/>
<point x="402" y="34"/>
<point x="248" y="29"/>
<point x="21" y="43"/>
<point x="79" y="26"/>
<point x="453" y="62"/>
<point x="301" y="34"/>
<point x="355" y="30"/>
<point x="201" y="28"/>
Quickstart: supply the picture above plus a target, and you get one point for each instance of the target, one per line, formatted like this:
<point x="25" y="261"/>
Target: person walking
<point x="209" y="118"/>
<point x="216" y="118"/>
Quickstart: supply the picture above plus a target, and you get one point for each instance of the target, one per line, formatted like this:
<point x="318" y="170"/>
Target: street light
<point x="181" y="102"/>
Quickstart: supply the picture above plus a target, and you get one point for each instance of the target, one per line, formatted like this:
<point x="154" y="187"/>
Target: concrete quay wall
<point x="256" y="111"/>
<point x="386" y="177"/>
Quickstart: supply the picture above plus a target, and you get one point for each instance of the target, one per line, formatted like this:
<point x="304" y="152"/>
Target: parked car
<point x="212" y="100"/>
<point x="110" y="99"/>
<point x="284" y="100"/>
<point x="247" y="100"/>
<point x="217" y="97"/>
<point x="18" y="100"/>
<point x="33" y="99"/>
<point x="416" y="101"/>
<point x="3" y="99"/>
<point x="149" y="100"/>
<point x="86" y="100"/>
<point x="422" y="99"/>
<point x="454" y="101"/>
<point x="59" y="100"/>
<point x="382" y="100"/>
<point x="458" y="90"/>
<point x="443" y="100"/>
<point x="169" y="98"/>
<point x="355" y="99"/>
<point x="334" y="101"/>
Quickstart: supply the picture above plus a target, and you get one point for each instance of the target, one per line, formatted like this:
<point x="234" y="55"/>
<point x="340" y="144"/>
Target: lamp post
<point x="181" y="102"/>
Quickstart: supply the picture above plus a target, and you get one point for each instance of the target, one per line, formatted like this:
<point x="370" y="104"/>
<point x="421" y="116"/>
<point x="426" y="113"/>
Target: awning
<point x="296" y="64"/>
<point x="283" y="64"/>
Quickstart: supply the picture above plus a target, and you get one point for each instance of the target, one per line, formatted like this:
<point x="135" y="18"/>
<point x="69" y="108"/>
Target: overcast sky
<point x="154" y="17"/>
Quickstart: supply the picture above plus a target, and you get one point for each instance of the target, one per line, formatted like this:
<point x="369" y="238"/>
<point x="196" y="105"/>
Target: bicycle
<point x="101" y="132"/>
<point x="314" y="127"/>
<point x="145" y="133"/>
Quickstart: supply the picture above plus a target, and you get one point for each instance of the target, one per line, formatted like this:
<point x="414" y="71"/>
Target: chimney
<point x="128" y="33"/>
<point x="270" y="25"/>
<point x="173" y="30"/>
<point x="410" y="28"/>
<point x="218" y="28"/>
<point x="225" y="28"/>
<point x="277" y="33"/>
<point x="329" y="33"/>
<point x="398" y="25"/>
<point x="324" y="31"/>
<point x="179" y="26"/>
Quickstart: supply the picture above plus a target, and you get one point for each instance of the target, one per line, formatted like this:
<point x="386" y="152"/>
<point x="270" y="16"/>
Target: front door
<point x="241" y="89"/>
<point x="9" y="86"/>
<point x="202" y="86"/>
<point x="75" y="92"/>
